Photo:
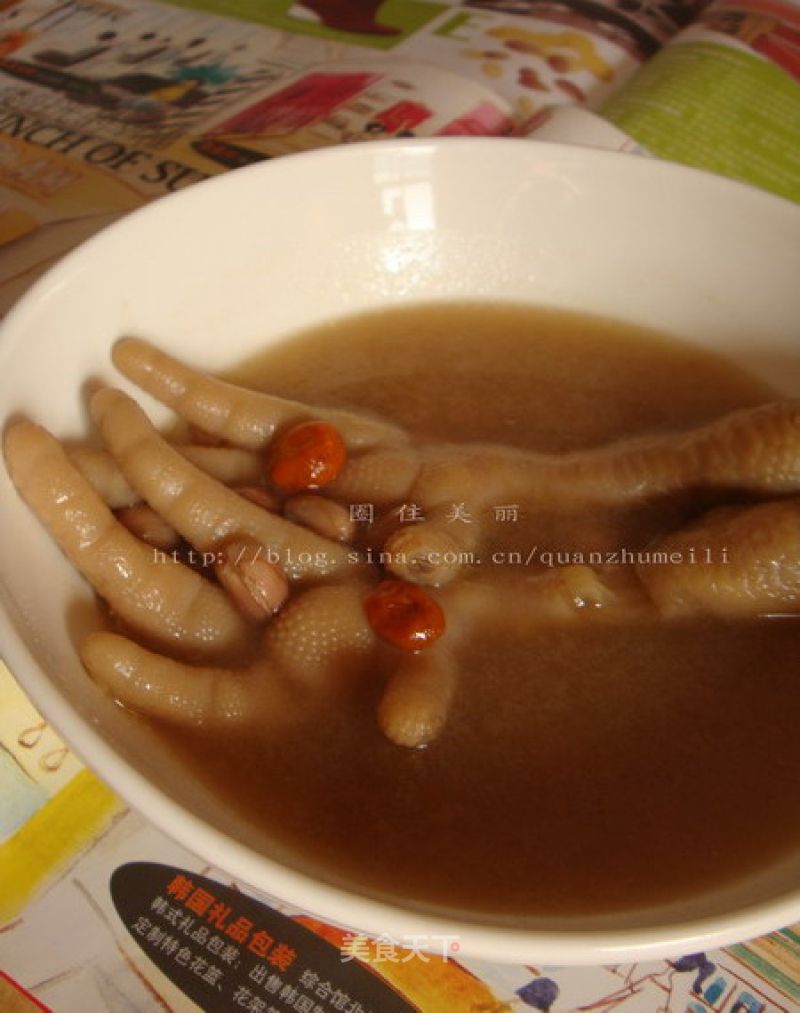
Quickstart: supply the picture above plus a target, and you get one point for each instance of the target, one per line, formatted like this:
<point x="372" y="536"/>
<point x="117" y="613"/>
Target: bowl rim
<point x="499" y="943"/>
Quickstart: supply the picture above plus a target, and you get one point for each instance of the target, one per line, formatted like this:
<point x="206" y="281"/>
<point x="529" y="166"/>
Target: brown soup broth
<point x="620" y="767"/>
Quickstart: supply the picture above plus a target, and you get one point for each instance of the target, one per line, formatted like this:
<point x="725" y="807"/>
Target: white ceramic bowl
<point x="215" y="272"/>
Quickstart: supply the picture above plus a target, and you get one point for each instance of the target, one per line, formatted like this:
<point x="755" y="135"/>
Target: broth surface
<point x="582" y="770"/>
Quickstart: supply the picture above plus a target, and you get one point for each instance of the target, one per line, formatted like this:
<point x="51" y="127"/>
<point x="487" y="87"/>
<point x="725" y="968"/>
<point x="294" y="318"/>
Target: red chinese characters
<point x="237" y="928"/>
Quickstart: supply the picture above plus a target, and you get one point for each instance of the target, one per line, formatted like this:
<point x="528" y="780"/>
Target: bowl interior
<point x="222" y="269"/>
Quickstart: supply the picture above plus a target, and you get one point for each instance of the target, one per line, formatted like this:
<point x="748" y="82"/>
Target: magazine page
<point x="724" y="95"/>
<point x="104" y="106"/>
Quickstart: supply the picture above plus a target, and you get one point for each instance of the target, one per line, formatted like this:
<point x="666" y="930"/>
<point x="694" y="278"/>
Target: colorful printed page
<point x="104" y="106"/>
<point x="724" y="95"/>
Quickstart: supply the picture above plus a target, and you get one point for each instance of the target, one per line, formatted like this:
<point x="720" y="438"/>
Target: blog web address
<point x="532" y="556"/>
